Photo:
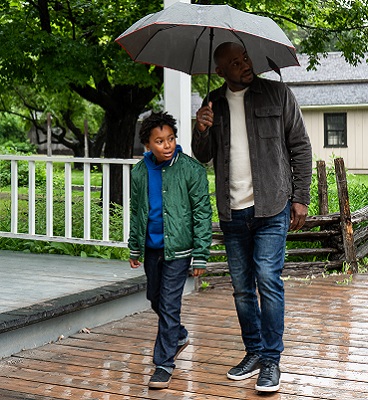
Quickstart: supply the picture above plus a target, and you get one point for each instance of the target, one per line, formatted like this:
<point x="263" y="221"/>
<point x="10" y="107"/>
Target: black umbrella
<point x="183" y="36"/>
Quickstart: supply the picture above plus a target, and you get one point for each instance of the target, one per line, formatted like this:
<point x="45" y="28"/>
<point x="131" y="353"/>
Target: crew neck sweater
<point x="241" y="185"/>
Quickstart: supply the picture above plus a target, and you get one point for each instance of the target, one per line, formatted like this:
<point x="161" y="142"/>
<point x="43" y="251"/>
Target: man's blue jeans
<point x="165" y="285"/>
<point x="256" y="251"/>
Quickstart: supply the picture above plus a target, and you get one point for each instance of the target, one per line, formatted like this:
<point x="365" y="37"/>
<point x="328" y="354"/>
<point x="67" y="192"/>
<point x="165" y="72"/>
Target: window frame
<point x="343" y="131"/>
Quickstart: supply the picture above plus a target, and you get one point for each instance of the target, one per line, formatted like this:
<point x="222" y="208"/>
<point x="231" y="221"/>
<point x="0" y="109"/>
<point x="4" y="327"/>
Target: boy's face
<point x="162" y="143"/>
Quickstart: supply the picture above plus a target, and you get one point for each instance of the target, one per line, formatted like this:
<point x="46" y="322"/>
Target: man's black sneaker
<point x="180" y="348"/>
<point x="247" y="367"/>
<point x="269" y="377"/>
<point x="160" y="379"/>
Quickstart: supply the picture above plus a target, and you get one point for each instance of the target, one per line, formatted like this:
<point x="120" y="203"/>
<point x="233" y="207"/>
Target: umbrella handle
<point x="209" y="64"/>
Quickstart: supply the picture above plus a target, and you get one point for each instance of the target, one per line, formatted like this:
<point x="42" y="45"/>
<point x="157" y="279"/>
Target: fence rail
<point x="341" y="238"/>
<point x="33" y="192"/>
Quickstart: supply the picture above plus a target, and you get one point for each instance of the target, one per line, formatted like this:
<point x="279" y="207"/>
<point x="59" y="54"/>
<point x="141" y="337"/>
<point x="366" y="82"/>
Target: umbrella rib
<point x="195" y="48"/>
<point x="239" y="38"/>
<point x="150" y="39"/>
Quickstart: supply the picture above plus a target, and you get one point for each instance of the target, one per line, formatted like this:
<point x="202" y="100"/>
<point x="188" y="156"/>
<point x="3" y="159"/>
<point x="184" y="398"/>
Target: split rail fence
<point x="342" y="236"/>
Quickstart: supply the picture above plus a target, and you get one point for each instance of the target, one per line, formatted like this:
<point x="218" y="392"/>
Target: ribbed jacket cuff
<point x="199" y="263"/>
<point x="134" y="254"/>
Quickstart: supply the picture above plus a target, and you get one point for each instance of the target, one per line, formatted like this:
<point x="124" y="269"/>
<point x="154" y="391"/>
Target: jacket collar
<point x="149" y="159"/>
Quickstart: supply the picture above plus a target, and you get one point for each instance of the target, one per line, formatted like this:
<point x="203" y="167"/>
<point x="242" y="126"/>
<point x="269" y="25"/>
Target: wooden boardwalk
<point x="325" y="357"/>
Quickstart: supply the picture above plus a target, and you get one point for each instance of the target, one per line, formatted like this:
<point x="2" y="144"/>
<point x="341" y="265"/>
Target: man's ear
<point x="219" y="72"/>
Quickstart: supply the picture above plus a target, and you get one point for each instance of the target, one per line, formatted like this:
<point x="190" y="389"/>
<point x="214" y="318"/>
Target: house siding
<point x="355" y="154"/>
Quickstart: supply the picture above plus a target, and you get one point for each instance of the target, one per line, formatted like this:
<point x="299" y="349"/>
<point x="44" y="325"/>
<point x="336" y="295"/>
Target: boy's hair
<point x="156" y="120"/>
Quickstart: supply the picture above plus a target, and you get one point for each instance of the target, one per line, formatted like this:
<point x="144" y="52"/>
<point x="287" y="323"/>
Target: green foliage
<point x="116" y="223"/>
<point x="21" y="148"/>
<point x="358" y="191"/>
<point x="23" y="176"/>
<point x="205" y="285"/>
<point x="11" y="129"/>
<point x="316" y="27"/>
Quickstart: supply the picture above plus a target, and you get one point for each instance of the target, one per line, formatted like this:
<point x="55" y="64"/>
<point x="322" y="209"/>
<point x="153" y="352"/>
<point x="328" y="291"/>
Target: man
<point x="253" y="130"/>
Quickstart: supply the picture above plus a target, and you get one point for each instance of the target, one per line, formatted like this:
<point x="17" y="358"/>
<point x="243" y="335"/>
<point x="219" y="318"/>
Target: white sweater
<point x="241" y="185"/>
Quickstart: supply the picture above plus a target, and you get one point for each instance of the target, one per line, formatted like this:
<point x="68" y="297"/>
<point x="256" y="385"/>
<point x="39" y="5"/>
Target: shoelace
<point x="267" y="370"/>
<point x="246" y="361"/>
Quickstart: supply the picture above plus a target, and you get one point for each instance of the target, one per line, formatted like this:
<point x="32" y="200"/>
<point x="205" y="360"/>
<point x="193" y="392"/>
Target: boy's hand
<point x="134" y="263"/>
<point x="204" y="117"/>
<point x="198" y="271"/>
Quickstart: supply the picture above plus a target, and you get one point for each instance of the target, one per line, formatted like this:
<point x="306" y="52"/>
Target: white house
<point x="334" y="102"/>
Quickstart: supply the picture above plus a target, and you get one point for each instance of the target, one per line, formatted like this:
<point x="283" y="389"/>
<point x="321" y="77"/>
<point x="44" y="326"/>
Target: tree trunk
<point x="122" y="104"/>
<point x="119" y="144"/>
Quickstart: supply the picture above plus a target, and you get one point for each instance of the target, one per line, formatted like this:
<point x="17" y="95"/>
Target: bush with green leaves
<point x="11" y="148"/>
<point x="12" y="129"/>
<point x="116" y="228"/>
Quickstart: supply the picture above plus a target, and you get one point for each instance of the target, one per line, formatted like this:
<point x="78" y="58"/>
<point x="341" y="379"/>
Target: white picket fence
<point x="126" y="165"/>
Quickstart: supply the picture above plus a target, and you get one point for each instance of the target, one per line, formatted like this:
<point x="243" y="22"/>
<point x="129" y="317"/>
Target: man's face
<point x="235" y="67"/>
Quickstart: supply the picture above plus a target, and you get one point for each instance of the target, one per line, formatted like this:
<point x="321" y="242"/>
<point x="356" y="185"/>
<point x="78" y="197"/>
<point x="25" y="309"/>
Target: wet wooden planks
<point x="325" y="357"/>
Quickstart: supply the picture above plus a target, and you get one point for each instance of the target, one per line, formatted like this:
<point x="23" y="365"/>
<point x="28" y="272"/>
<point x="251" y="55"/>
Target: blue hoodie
<point x="155" y="227"/>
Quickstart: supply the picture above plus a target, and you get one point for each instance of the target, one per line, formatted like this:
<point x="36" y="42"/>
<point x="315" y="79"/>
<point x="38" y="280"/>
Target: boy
<point x="171" y="224"/>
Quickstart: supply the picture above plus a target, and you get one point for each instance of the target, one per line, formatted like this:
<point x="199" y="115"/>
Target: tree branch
<point x="304" y="26"/>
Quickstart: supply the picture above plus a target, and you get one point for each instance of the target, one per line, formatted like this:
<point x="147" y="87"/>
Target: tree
<point x="68" y="110"/>
<point x="55" y="45"/>
<point x="318" y="26"/>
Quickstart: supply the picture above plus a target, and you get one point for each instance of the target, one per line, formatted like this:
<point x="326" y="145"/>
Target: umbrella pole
<point x="209" y="64"/>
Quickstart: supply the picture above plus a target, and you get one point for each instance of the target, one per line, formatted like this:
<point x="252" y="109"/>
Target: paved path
<point x="28" y="279"/>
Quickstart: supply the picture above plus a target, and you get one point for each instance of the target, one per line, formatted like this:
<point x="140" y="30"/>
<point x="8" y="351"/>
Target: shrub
<point x="12" y="148"/>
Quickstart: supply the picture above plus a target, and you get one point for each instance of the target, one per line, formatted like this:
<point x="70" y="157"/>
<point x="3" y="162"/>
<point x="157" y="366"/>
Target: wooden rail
<point x="338" y="243"/>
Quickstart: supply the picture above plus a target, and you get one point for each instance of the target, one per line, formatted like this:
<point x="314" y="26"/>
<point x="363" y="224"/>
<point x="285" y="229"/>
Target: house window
<point x="335" y="130"/>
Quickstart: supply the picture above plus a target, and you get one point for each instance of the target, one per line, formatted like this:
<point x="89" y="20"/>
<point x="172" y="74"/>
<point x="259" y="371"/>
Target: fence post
<point x="345" y="215"/>
<point x="86" y="152"/>
<point x="322" y="188"/>
<point x="49" y="136"/>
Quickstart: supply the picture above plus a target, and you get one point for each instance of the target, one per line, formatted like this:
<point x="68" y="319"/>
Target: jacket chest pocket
<point x="268" y="121"/>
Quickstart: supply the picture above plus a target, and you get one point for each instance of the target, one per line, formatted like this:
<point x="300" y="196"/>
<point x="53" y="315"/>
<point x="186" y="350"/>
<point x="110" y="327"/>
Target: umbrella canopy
<point x="183" y="36"/>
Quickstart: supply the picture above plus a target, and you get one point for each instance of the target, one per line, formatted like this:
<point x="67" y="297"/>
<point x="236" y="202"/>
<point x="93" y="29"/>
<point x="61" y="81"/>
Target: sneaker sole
<point x="159" y="385"/>
<point x="267" y="389"/>
<point x="241" y="377"/>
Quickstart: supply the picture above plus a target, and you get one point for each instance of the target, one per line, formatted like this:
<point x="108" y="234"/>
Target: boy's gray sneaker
<point x="247" y="367"/>
<point x="269" y="377"/>
<point x="160" y="379"/>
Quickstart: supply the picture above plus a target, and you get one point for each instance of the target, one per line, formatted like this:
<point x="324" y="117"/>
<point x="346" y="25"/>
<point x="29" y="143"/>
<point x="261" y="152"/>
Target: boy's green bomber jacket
<point x="187" y="212"/>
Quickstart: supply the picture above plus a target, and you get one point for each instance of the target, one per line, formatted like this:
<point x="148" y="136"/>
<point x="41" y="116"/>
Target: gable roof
<point x="334" y="83"/>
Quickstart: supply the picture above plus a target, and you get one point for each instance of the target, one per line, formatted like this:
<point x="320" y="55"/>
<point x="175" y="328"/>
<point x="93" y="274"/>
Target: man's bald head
<point x="223" y="49"/>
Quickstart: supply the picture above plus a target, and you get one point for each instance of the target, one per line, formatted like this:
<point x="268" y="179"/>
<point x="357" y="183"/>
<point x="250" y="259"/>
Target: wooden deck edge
<point x="40" y="312"/>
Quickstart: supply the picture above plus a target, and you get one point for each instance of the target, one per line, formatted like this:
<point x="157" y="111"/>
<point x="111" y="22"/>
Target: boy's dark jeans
<point x="165" y="285"/>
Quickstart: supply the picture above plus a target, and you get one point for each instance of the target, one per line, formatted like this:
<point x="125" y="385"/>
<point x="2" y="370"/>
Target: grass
<point x="358" y="195"/>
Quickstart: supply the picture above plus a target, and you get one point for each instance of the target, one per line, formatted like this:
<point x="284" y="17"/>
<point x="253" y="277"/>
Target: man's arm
<point x="300" y="150"/>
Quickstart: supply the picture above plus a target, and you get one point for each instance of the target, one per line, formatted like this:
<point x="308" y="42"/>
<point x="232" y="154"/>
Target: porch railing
<point x="68" y="188"/>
